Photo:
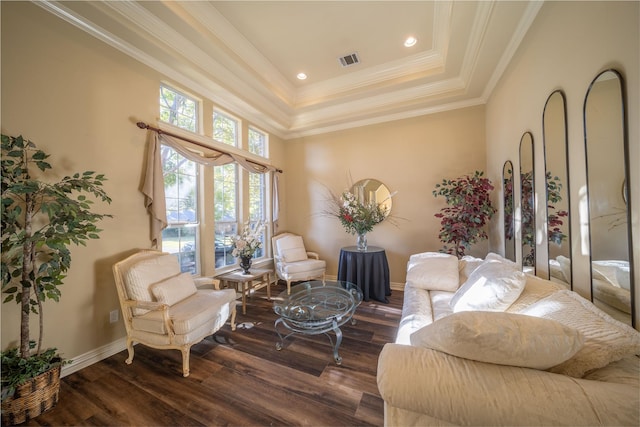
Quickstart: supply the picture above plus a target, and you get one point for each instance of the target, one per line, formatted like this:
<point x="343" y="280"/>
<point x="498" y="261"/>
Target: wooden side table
<point x="244" y="283"/>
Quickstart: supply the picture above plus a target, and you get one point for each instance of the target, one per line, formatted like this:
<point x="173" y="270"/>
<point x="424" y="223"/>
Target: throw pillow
<point x="501" y="338"/>
<point x="493" y="286"/>
<point x="291" y="248"/>
<point x="492" y="256"/>
<point x="606" y="339"/>
<point x="433" y="271"/>
<point x="174" y="289"/>
<point x="466" y="265"/>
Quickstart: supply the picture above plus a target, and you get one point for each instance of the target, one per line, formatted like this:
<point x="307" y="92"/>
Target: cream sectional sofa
<point x="481" y="343"/>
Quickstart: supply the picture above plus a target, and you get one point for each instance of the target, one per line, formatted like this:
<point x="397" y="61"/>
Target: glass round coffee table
<point x="317" y="307"/>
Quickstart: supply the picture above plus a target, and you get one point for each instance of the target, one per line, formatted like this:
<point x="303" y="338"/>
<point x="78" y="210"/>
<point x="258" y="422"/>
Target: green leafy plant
<point x="468" y="210"/>
<point x="40" y="220"/>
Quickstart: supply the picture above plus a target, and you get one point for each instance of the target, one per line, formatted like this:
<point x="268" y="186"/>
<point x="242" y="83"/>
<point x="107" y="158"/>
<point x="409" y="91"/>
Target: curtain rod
<point x="143" y="125"/>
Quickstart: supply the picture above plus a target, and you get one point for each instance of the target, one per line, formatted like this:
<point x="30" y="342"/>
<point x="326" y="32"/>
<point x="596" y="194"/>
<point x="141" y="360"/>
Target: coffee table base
<point x="324" y="330"/>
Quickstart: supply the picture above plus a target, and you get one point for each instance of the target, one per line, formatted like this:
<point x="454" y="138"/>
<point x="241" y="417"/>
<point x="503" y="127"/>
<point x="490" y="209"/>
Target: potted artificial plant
<point x="40" y="220"/>
<point x="468" y="210"/>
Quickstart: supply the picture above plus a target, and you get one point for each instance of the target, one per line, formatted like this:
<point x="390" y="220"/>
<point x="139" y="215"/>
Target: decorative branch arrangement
<point x="468" y="210"/>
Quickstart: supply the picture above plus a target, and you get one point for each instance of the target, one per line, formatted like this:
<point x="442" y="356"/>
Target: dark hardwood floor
<point x="239" y="378"/>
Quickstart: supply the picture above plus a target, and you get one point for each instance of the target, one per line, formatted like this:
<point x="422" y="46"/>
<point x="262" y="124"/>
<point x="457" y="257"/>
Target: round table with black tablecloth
<point x="368" y="269"/>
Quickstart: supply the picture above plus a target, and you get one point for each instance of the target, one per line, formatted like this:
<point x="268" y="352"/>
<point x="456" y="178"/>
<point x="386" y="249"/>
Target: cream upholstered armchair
<point x="293" y="262"/>
<point x="162" y="307"/>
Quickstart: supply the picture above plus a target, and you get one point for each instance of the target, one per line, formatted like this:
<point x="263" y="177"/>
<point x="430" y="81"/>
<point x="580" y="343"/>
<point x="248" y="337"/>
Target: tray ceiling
<point x="245" y="55"/>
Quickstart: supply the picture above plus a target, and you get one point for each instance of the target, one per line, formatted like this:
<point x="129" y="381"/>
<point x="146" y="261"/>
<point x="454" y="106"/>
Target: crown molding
<point x="262" y="96"/>
<point x="523" y="26"/>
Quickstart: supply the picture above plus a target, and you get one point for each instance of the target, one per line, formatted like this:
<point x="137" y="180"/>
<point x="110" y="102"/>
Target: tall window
<point x="225" y="190"/>
<point x="257" y="144"/>
<point x="180" y="183"/>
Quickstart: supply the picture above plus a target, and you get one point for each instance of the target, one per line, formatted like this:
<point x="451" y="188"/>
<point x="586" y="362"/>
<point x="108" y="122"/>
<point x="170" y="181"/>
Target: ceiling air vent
<point x="349" y="60"/>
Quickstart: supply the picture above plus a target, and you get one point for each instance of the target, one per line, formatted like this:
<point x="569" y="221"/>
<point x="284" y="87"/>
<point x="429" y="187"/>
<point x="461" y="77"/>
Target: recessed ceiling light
<point x="410" y="41"/>
<point x="301" y="76"/>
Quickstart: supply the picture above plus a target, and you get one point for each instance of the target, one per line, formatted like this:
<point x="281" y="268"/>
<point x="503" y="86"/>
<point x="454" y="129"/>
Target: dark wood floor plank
<point x="239" y="378"/>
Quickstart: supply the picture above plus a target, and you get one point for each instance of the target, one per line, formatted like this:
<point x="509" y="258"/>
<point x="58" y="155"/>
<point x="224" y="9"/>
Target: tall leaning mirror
<point x="527" y="204"/>
<point x="607" y="158"/>
<point x="554" y="127"/>
<point x="509" y="225"/>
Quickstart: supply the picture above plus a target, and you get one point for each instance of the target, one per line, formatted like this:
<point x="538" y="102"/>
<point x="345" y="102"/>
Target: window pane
<point x="225" y="211"/>
<point x="257" y="142"/>
<point x="180" y="186"/>
<point x="223" y="241"/>
<point x="257" y="205"/>
<point x="181" y="241"/>
<point x="225" y="129"/>
<point x="178" y="109"/>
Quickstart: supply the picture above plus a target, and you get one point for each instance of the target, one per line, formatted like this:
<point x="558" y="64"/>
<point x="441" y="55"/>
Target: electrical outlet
<point x="113" y="316"/>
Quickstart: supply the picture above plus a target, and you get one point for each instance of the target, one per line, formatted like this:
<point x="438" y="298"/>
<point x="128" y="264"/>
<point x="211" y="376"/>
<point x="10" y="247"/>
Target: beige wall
<point x="410" y="156"/>
<point x="567" y="46"/>
<point x="79" y="99"/>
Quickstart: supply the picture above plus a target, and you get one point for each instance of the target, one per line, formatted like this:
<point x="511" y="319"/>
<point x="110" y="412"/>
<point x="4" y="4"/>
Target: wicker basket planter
<point x="32" y="398"/>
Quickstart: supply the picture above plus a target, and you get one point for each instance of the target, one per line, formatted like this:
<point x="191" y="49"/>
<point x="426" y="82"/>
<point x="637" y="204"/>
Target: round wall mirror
<point x="369" y="191"/>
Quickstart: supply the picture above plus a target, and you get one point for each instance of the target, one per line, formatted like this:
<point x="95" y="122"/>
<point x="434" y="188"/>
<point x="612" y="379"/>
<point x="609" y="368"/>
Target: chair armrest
<point x="147" y="305"/>
<point x="206" y="282"/>
<point x="313" y="255"/>
<point x="465" y="392"/>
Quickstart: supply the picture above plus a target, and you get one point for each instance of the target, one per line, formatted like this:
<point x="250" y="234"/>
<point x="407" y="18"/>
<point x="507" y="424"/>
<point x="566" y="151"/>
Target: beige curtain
<point x="153" y="181"/>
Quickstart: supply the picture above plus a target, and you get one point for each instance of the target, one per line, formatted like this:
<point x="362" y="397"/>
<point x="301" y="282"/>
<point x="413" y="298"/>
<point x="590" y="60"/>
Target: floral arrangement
<point x="247" y="243"/>
<point x="357" y="217"/>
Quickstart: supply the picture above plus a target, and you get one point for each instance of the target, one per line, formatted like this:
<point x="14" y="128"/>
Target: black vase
<point x="245" y="263"/>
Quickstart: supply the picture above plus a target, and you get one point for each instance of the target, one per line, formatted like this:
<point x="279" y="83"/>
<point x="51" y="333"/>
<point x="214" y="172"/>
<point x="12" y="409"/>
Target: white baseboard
<point x="93" y="356"/>
<point x="96" y="355"/>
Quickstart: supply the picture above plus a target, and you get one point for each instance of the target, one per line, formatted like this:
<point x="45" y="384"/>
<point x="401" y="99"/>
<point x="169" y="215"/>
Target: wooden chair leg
<point x="130" y="351"/>
<point x="288" y="287"/>
<point x="185" y="360"/>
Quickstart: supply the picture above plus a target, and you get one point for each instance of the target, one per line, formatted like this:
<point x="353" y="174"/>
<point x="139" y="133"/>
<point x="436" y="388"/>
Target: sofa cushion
<point x="291" y="248"/>
<point x="606" y="339"/>
<point x="304" y="266"/>
<point x="139" y="278"/>
<point x="501" y="338"/>
<point x="174" y="289"/>
<point x="433" y="271"/>
<point x="203" y="307"/>
<point x="493" y="286"/>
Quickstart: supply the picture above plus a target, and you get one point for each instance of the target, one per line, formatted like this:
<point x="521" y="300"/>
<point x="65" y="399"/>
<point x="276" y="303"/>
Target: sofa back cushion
<point x="433" y="271"/>
<point x="606" y="339"/>
<point x="291" y="248"/>
<point x="139" y="278"/>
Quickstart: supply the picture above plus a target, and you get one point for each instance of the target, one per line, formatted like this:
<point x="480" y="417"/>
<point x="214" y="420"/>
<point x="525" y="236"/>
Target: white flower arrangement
<point x="247" y="243"/>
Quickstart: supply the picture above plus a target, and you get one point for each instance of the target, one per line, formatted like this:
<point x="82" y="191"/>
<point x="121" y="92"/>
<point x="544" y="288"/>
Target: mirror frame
<point x="528" y="135"/>
<point x="626" y="164"/>
<point x="509" y="221"/>
<point x="372" y="185"/>
<point x="567" y="192"/>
